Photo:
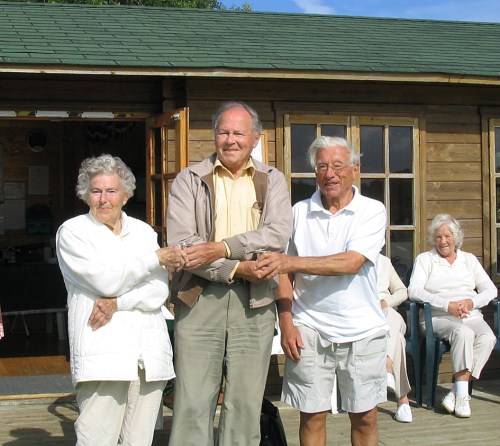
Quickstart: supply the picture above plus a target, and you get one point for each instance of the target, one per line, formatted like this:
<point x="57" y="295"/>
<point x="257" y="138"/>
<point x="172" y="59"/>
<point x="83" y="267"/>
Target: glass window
<point x="302" y="188"/>
<point x="333" y="130"/>
<point x="372" y="148"/>
<point x="495" y="205"/>
<point x="302" y="137"/>
<point x="401" y="199"/>
<point x="388" y="157"/>
<point x="401" y="248"/>
<point x="400" y="149"/>
<point x="497" y="150"/>
<point x="303" y="130"/>
<point x="374" y="188"/>
<point x="387" y="160"/>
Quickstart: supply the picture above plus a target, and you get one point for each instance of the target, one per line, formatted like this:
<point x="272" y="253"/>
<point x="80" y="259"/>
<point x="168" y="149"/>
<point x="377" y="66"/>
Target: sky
<point x="461" y="10"/>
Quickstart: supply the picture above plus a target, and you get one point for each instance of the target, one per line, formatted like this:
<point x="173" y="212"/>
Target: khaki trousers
<point x="117" y="412"/>
<point x="221" y="329"/>
<point x="396" y="350"/>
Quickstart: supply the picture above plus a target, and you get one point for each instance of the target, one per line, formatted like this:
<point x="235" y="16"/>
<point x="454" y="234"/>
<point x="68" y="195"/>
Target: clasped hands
<point x="103" y="311"/>
<point x="265" y="267"/>
<point x="174" y="258"/>
<point x="460" y="308"/>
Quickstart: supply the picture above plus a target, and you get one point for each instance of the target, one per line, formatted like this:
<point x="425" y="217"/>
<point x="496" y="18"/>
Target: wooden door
<point x="167" y="154"/>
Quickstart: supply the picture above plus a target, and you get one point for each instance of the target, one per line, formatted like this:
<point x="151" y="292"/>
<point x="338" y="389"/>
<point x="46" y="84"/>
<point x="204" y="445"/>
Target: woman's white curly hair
<point x="107" y="164"/>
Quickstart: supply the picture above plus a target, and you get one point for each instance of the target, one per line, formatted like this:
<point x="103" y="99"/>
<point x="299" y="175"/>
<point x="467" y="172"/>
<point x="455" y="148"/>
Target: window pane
<point x="400" y="149"/>
<point x="498" y="252"/>
<point x="158" y="208"/>
<point x="402" y="253"/>
<point x="372" y="148"/>
<point x="334" y="130"/>
<point x="373" y="188"/>
<point x="497" y="181"/>
<point x="497" y="149"/>
<point x="302" y="137"/>
<point x="401" y="199"/>
<point x="302" y="188"/>
<point x="157" y="150"/>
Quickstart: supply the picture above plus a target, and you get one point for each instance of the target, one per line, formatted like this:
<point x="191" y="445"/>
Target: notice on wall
<point x="14" y="217"/>
<point x="14" y="191"/>
<point x="2" y="219"/>
<point x="38" y="180"/>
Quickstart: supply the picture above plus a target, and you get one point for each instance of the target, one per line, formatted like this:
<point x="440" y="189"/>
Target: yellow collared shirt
<point x="234" y="202"/>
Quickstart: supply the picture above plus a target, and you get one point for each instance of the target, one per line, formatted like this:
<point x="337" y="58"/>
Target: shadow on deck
<point x="45" y="421"/>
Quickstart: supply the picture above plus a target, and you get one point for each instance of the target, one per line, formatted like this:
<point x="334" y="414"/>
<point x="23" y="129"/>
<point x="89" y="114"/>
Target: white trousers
<point x="396" y="350"/>
<point x="117" y="412"/>
<point x="471" y="340"/>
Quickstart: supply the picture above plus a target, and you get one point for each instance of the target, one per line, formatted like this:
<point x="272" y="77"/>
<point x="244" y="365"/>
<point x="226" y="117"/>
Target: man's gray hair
<point x="327" y="142"/>
<point x="106" y="164"/>
<point x="256" y="124"/>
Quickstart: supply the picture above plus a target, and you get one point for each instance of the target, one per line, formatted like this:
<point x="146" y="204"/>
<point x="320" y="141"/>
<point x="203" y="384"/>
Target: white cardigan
<point x="389" y="286"/>
<point x="97" y="263"/>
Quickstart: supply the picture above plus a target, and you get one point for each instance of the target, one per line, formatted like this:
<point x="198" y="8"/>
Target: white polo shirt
<point x="342" y="308"/>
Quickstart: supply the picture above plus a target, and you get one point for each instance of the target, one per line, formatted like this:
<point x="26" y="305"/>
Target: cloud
<point x="314" y="7"/>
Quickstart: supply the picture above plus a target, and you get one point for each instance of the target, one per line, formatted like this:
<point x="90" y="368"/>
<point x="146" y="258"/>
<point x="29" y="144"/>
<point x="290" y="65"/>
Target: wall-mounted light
<point x="51" y="114"/>
<point x="7" y="114"/>
<point x="98" y="115"/>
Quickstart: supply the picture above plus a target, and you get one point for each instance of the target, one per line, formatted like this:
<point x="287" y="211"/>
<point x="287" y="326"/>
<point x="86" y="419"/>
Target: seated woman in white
<point x="392" y="293"/>
<point x="456" y="286"/>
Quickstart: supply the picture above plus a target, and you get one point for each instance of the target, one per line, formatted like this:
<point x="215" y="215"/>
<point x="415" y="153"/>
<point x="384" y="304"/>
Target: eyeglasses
<point x="337" y="168"/>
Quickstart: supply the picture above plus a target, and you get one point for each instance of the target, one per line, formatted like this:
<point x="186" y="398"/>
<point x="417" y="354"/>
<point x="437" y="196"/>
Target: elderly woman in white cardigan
<point x="392" y="292"/>
<point x="116" y="280"/>
<point x="456" y="286"/>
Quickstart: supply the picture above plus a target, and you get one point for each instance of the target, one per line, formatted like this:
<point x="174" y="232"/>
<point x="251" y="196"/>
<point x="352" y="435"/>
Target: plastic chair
<point x="413" y="345"/>
<point x="495" y="303"/>
<point x="435" y="348"/>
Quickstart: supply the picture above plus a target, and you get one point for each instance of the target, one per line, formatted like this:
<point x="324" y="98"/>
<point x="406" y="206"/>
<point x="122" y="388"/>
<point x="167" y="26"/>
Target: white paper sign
<point x="38" y="180"/>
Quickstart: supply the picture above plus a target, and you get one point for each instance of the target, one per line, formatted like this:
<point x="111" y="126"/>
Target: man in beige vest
<point x="225" y="210"/>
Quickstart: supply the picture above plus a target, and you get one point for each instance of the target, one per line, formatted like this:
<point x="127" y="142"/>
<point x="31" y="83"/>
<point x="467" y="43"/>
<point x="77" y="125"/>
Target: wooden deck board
<point x="50" y="423"/>
<point x="36" y="365"/>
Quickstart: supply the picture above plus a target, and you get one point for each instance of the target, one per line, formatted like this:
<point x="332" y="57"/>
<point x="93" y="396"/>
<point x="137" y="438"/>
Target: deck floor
<point x="49" y="421"/>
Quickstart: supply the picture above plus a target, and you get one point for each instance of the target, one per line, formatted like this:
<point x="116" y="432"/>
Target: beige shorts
<point x="359" y="367"/>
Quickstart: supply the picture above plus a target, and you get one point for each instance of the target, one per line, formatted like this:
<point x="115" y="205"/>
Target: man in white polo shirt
<point x="330" y="315"/>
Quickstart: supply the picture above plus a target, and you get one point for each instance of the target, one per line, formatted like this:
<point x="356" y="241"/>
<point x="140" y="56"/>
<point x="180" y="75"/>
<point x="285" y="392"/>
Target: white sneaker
<point x="449" y="402"/>
<point x="403" y="414"/>
<point x="391" y="383"/>
<point x="462" y="407"/>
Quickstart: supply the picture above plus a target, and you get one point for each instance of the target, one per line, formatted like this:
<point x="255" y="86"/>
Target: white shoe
<point x="391" y="383"/>
<point x="449" y="402"/>
<point x="462" y="407"/>
<point x="403" y="414"/>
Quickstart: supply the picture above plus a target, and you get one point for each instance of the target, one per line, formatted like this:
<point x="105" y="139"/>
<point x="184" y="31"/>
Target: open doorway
<point x="39" y="164"/>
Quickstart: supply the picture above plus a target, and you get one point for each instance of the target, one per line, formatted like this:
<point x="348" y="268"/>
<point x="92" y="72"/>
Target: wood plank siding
<point x="451" y="169"/>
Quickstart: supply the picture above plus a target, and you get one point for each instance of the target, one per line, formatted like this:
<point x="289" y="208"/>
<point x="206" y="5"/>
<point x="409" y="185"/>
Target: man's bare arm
<point x="270" y="264"/>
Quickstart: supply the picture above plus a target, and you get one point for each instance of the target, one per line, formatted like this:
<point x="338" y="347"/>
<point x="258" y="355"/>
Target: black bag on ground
<point x="272" y="432"/>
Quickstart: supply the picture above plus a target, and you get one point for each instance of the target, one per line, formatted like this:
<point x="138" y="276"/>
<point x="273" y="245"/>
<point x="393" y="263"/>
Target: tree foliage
<point x="202" y="4"/>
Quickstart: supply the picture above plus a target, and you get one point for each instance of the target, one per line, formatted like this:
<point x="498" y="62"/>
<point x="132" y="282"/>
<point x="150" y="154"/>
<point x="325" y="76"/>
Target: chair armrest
<point x="411" y="310"/>
<point x="429" y="330"/>
<point x="495" y="303"/>
<point x="427" y="316"/>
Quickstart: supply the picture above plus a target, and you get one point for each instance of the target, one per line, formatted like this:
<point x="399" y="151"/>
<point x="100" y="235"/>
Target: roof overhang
<point x="439" y="78"/>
